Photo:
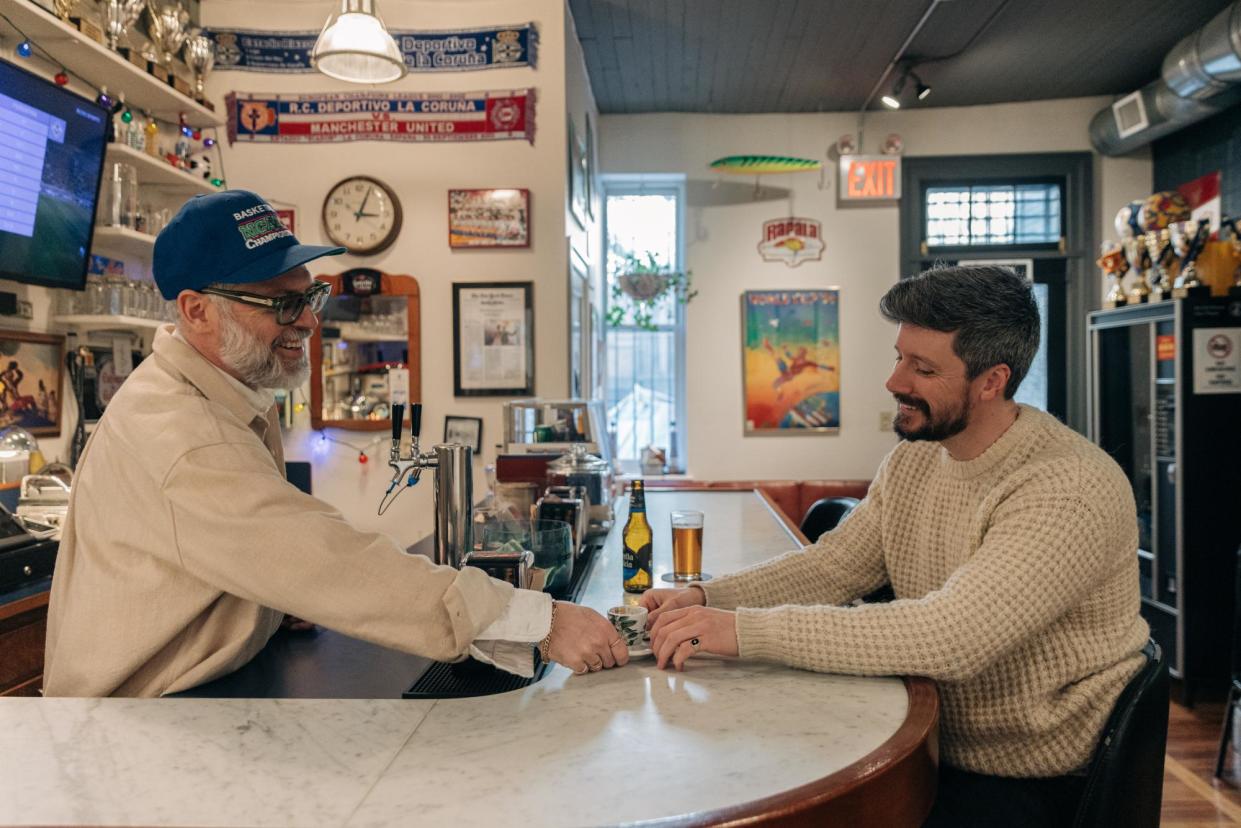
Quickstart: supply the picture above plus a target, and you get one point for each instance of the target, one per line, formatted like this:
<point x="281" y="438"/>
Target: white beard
<point x="254" y="361"/>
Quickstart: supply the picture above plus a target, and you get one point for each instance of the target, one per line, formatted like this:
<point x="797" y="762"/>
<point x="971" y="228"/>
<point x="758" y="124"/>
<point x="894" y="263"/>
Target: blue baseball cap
<point x="234" y="237"/>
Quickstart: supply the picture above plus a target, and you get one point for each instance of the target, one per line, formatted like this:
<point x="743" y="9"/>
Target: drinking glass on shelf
<point x="93" y="300"/>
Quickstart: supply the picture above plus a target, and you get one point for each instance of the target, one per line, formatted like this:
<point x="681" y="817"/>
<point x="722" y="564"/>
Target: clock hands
<point x="357" y="216"/>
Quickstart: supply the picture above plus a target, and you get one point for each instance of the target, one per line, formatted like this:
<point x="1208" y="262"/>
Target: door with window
<point x="644" y="388"/>
<point x="985" y="210"/>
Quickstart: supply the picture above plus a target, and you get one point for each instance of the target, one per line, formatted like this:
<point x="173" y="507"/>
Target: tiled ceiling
<point x="827" y="55"/>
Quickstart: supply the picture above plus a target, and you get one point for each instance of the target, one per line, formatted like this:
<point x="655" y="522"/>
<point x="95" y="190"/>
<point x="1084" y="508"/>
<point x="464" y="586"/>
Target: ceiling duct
<point x="1200" y="77"/>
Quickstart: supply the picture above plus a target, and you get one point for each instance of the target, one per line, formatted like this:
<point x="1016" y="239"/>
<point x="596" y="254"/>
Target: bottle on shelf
<point x="636" y="541"/>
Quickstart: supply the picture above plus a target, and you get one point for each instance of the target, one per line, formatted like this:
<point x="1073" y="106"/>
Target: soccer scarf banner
<point x="381" y="116"/>
<point x="497" y="47"/>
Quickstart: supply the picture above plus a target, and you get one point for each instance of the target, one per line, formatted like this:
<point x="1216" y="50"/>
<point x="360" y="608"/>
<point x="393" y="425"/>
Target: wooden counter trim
<point x="893" y="785"/>
<point x="26" y="604"/>
<point x="789" y="526"/>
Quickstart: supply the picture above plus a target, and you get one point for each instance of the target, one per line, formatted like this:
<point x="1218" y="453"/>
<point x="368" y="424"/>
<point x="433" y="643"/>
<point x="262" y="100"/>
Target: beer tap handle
<point x="415" y="420"/>
<point x="398" y="421"/>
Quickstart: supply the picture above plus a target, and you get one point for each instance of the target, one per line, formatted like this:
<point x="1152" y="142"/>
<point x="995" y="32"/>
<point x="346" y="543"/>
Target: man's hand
<point x="659" y="601"/>
<point x="681" y="634"/>
<point x="583" y="640"/>
<point x="295" y="624"/>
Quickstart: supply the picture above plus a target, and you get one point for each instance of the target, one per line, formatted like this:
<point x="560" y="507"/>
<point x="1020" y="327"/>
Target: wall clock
<point x="362" y="215"/>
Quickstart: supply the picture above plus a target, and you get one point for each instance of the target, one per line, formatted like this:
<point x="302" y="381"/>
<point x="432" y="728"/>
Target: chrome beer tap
<point x="454" y="485"/>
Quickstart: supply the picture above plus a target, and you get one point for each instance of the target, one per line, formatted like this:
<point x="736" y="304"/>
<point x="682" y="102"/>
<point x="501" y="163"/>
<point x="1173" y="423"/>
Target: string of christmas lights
<point x="179" y="157"/>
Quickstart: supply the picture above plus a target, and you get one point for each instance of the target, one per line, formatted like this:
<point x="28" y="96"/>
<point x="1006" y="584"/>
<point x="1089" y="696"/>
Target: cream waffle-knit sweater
<point x="1016" y="581"/>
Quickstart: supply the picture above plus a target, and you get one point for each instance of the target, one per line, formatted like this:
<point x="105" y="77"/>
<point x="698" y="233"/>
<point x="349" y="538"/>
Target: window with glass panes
<point x="986" y="214"/>
<point x="644" y="386"/>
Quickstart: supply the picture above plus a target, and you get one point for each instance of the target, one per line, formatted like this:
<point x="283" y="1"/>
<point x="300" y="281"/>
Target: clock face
<point x="362" y="215"/>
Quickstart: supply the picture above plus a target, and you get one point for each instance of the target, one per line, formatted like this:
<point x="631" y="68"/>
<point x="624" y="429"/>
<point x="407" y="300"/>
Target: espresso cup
<point x="630" y="623"/>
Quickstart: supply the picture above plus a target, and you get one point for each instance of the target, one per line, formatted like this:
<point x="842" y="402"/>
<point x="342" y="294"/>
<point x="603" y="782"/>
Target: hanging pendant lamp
<point x="355" y="46"/>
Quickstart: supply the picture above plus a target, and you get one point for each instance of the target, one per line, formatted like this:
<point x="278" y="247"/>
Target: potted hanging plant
<point x="639" y="288"/>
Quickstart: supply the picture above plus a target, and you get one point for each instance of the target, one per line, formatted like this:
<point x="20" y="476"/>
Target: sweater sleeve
<point x="843" y="564"/>
<point x="242" y="528"/>
<point x="1046" y="547"/>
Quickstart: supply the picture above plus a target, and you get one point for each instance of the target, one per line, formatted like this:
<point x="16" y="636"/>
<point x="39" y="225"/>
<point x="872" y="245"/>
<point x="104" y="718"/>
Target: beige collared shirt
<point x="184" y="546"/>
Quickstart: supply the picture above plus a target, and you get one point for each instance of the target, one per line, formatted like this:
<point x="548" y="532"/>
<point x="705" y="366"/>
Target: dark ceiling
<point x="827" y="55"/>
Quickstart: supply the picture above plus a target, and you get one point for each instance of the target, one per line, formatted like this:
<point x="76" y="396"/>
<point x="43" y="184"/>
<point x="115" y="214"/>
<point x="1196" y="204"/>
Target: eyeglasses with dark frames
<point x="287" y="308"/>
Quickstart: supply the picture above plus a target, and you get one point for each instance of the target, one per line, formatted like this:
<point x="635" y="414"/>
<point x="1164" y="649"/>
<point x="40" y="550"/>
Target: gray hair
<point x="990" y="309"/>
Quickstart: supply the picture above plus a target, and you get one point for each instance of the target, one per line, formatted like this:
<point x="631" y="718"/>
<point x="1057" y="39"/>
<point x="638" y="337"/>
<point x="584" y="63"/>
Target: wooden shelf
<point x="102" y="321"/>
<point x="156" y="172"/>
<point x="103" y="67"/>
<point x="124" y="241"/>
<point x="353" y="332"/>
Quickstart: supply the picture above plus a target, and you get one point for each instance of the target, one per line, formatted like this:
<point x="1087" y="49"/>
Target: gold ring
<point x="614" y="643"/>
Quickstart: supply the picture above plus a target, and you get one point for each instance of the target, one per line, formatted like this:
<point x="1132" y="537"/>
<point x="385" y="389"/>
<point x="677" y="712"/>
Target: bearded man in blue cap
<point x="184" y="545"/>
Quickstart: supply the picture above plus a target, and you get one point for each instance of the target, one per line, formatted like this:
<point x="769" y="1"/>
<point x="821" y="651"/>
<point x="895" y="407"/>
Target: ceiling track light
<point x="893" y="99"/>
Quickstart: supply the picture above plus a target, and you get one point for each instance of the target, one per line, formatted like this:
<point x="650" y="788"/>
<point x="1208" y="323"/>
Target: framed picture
<point x="493" y="339"/>
<point x="31" y="372"/>
<point x="488" y="218"/>
<point x="465" y="431"/>
<point x="576" y="176"/>
<point x="790" y="361"/>
<point x="589" y="167"/>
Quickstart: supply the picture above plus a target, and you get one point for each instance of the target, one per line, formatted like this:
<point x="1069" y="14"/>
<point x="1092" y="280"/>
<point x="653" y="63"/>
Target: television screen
<point x="51" y="160"/>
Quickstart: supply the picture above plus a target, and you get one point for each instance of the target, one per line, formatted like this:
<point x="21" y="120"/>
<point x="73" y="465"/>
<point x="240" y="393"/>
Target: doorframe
<point x="1076" y="171"/>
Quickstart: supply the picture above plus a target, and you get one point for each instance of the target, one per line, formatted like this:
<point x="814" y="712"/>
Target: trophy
<point x="1159" y="246"/>
<point x="167" y="29"/>
<point x="1112" y="261"/>
<point x="1188" y="239"/>
<point x="1135" y="253"/>
<point x="64" y="8"/>
<point x="118" y="16"/>
<point x="200" y="57"/>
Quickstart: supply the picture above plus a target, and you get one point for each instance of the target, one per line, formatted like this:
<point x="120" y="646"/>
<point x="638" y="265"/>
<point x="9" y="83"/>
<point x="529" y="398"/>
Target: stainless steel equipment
<point x="454" y="485"/>
<point x="554" y="426"/>
<point x="594" y="474"/>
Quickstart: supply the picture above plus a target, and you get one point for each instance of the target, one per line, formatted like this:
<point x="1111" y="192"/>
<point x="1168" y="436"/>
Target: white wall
<point x="861" y="257"/>
<point x="421" y="174"/>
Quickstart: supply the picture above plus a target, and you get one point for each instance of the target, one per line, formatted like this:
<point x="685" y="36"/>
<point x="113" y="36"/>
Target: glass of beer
<point x="687" y="546"/>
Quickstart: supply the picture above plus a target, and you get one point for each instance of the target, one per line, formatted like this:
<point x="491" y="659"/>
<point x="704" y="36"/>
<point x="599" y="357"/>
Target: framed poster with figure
<point x="31" y="370"/>
<point x="791" y="361"/>
<point x="488" y="218"/>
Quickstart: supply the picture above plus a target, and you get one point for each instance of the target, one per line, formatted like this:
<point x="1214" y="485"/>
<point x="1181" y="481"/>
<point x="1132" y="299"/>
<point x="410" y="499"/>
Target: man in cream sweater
<point x="1010" y="543"/>
<point x="184" y="545"/>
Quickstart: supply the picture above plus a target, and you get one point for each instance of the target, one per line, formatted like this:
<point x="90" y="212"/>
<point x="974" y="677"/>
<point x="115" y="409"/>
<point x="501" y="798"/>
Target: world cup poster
<point x="791" y="361"/>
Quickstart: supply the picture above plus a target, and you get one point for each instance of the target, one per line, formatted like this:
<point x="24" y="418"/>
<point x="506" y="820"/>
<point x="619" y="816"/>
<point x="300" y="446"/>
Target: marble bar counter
<point x="724" y="742"/>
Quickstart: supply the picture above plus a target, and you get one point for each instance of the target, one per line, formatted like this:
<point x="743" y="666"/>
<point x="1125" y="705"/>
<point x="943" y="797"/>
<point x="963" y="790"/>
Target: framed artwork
<point x="576" y="179"/>
<point x="493" y="339"/>
<point x="465" y="431"/>
<point x="31" y="372"/>
<point x="589" y="166"/>
<point x="579" y="313"/>
<point x="488" y="218"/>
<point x="790" y="361"/>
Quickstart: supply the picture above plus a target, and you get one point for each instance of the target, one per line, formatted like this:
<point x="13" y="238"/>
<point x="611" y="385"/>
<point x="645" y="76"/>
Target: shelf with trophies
<point x="100" y="42"/>
<point x="1164" y="366"/>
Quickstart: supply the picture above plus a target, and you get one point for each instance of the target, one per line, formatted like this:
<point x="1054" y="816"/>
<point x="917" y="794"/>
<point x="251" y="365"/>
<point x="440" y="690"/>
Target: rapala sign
<point x="870" y="177"/>
<point x="791" y="240"/>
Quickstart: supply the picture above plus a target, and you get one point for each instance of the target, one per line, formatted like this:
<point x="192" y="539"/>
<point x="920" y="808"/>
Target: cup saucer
<point x="642" y="648"/>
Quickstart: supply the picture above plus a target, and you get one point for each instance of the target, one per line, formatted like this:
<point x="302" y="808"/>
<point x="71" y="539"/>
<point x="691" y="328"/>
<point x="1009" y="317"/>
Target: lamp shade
<point x="355" y="46"/>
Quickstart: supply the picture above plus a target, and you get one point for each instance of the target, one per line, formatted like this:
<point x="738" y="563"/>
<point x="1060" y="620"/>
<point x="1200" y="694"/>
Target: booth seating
<point x="794" y="497"/>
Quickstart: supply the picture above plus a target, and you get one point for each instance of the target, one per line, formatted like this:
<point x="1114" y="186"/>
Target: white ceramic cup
<point x="630" y="622"/>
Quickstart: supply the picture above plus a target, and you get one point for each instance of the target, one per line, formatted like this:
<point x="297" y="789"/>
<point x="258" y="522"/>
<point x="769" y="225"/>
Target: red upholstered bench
<point x="793" y="497"/>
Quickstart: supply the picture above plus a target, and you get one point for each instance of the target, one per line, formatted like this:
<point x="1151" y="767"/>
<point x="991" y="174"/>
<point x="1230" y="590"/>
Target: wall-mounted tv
<point x="51" y="159"/>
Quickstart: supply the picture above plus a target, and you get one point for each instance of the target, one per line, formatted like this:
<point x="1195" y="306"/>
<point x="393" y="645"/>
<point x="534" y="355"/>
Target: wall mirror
<point x="370" y="324"/>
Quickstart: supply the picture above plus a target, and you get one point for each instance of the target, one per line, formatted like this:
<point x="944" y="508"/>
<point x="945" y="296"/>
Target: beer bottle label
<point x="634" y="560"/>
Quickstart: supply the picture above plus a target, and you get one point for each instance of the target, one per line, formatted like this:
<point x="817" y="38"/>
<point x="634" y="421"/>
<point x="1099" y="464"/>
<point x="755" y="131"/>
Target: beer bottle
<point x="637" y="543"/>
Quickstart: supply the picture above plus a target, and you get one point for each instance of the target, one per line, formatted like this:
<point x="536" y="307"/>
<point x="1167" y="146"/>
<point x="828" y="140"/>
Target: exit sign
<point x="870" y="177"/>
